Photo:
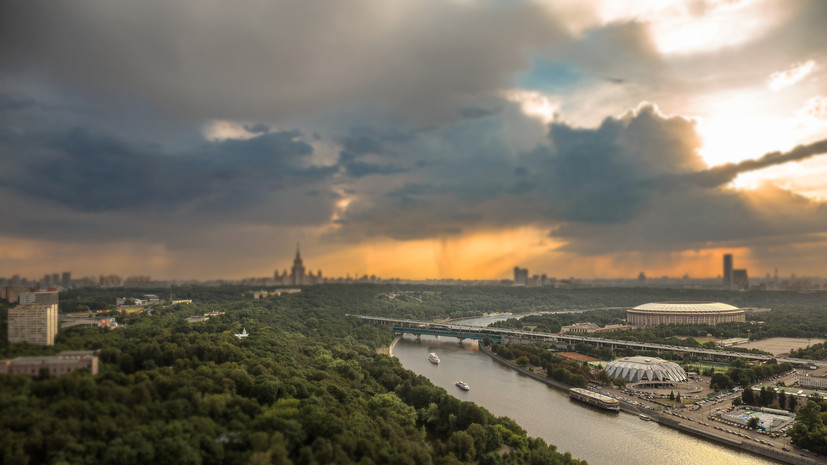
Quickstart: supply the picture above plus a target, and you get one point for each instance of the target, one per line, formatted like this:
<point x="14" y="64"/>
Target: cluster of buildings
<point x="521" y="278"/>
<point x="10" y="288"/>
<point x="734" y="279"/>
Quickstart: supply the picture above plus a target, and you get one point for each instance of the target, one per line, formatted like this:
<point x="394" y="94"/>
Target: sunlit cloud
<point x="219" y="130"/>
<point x="795" y="73"/>
<point x="680" y="27"/>
<point x="814" y="109"/>
<point x="535" y="104"/>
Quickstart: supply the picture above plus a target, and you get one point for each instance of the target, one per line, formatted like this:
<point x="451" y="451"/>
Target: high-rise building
<point x="297" y="272"/>
<point x="33" y="323"/>
<point x="48" y="298"/>
<point x="520" y="276"/>
<point x="66" y="279"/>
<point x="740" y="279"/>
<point x="728" y="271"/>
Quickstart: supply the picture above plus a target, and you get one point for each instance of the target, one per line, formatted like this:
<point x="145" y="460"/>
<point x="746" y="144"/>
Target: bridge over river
<point x="414" y="327"/>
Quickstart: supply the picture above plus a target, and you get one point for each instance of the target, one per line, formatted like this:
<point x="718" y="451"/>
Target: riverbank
<point x="668" y="421"/>
<point x="393" y="344"/>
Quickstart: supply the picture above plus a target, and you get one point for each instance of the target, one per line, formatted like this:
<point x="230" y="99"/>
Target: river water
<point x="591" y="434"/>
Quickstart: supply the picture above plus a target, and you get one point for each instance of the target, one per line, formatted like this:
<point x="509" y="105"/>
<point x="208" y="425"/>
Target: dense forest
<point x="307" y="386"/>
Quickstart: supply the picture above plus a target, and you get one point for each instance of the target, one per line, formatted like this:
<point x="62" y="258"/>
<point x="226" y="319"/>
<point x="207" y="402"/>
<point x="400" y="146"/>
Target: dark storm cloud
<point x="363" y="145"/>
<point x="89" y="172"/>
<point x="726" y="173"/>
<point x="477" y="112"/>
<point x="356" y="168"/>
<point x="633" y="183"/>
<point x="257" y="128"/>
<point x="211" y="59"/>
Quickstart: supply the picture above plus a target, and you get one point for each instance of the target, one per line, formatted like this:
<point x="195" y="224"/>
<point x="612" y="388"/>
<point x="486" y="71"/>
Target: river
<point x="593" y="435"/>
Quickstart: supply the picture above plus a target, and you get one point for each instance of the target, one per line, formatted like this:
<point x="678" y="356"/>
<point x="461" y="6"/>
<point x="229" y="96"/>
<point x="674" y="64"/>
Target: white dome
<point x="636" y="369"/>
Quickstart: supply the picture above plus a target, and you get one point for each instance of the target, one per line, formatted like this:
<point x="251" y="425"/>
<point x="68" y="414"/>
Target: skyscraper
<point x="728" y="271"/>
<point x="297" y="272"/>
<point x="520" y="276"/>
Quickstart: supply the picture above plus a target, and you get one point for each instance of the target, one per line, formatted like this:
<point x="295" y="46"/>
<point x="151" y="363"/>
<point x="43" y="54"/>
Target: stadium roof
<point x="686" y="307"/>
<point x="635" y="369"/>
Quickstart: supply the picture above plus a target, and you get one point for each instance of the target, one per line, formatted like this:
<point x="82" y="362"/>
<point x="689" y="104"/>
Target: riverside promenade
<point x="775" y="454"/>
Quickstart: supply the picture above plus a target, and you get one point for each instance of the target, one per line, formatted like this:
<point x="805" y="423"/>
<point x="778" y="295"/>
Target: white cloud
<point x="535" y="104"/>
<point x="218" y="130"/>
<point x="797" y="72"/>
<point x="680" y="27"/>
<point x="814" y="109"/>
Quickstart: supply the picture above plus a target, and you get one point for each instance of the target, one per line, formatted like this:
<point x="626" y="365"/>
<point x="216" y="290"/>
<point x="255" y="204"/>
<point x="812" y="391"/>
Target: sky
<point x="204" y="139"/>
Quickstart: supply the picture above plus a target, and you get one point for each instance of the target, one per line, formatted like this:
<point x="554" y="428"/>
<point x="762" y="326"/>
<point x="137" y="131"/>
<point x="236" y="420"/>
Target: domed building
<point x="646" y="369"/>
<point x="684" y="313"/>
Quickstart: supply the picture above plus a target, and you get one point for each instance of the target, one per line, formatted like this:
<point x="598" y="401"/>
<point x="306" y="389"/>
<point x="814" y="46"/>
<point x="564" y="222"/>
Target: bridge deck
<point x="498" y="334"/>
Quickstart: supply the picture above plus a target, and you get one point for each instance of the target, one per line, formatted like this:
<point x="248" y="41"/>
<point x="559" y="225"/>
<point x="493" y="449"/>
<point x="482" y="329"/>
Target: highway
<point x="506" y="335"/>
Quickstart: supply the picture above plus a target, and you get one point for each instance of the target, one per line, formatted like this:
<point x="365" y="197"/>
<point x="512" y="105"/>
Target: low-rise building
<point x="591" y="328"/>
<point x="90" y="323"/>
<point x="812" y="382"/>
<point x="56" y="365"/>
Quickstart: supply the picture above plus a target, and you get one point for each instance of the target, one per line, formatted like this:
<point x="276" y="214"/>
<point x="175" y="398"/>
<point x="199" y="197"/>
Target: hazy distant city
<point x="298" y="275"/>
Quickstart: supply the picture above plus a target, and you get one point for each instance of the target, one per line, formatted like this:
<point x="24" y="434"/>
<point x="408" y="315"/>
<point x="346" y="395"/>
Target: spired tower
<point x="297" y="272"/>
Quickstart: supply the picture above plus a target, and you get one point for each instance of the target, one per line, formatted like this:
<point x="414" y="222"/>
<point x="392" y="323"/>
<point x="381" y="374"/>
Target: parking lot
<point x="705" y="415"/>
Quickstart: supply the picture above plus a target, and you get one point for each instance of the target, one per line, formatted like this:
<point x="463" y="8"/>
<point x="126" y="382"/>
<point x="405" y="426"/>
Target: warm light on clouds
<point x="738" y="126"/>
<point x="681" y="27"/>
<point x="23" y="256"/>
<point x="795" y="73"/>
<point x="814" y="111"/>
<point x="219" y="130"/>
<point x="480" y="255"/>
<point x="535" y="104"/>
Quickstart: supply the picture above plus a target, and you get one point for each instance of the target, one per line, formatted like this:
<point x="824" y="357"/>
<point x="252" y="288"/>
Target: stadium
<point x="646" y="371"/>
<point x="683" y="313"/>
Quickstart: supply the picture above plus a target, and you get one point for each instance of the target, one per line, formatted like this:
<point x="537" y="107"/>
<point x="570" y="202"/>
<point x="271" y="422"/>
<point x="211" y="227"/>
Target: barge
<point x="595" y="399"/>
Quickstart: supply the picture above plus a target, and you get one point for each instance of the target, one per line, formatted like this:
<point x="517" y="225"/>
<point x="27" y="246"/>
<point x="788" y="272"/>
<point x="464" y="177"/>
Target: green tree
<point x="748" y="397"/>
<point x="461" y="444"/>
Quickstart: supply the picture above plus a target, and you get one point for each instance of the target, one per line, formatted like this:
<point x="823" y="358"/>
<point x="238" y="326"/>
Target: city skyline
<point x="418" y="140"/>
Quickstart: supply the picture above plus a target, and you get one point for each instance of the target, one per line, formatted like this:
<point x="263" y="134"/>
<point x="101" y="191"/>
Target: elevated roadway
<point x="511" y="335"/>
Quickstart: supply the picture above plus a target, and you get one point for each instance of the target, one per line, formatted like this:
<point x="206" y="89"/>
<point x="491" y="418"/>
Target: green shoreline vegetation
<point x="306" y="386"/>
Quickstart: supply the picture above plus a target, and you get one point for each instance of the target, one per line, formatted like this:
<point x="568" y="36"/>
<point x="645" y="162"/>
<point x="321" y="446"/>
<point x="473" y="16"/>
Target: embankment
<point x="668" y="421"/>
